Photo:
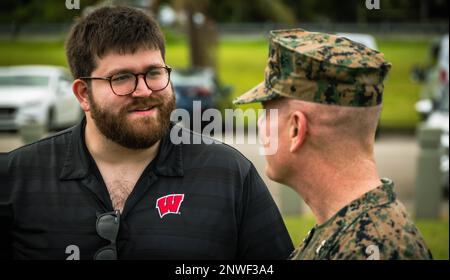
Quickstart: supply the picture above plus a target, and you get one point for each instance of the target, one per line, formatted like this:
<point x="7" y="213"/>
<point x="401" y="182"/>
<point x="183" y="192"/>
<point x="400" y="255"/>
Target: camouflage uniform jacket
<point x="374" y="226"/>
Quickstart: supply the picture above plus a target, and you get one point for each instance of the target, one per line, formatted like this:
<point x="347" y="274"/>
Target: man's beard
<point x="141" y="133"/>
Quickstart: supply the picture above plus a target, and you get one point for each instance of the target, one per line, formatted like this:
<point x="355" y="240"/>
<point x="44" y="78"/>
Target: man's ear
<point x="81" y="91"/>
<point x="298" y="126"/>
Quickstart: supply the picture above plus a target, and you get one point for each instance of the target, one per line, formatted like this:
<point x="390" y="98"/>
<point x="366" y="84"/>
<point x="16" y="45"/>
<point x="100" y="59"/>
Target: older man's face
<point x="273" y="133"/>
<point x="137" y="120"/>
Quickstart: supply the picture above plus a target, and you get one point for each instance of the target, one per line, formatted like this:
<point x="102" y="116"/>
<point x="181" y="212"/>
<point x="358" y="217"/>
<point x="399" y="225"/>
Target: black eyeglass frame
<point x="136" y="80"/>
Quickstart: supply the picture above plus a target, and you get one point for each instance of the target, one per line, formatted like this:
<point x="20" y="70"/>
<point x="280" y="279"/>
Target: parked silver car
<point x="37" y="94"/>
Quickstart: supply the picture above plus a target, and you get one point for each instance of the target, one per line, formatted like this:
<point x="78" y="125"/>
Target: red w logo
<point x="169" y="204"/>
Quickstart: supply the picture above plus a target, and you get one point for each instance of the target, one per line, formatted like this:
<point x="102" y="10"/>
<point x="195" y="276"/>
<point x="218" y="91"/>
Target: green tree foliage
<point x="42" y="11"/>
<point x="251" y="11"/>
<point x="355" y="10"/>
<point x="278" y="11"/>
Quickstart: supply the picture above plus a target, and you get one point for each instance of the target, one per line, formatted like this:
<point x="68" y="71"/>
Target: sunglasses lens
<point x="108" y="227"/>
<point x="107" y="253"/>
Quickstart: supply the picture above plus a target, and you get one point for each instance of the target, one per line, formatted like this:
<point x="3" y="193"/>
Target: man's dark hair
<point x="119" y="29"/>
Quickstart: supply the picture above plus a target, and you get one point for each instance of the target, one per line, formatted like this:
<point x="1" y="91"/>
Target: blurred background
<point x="219" y="50"/>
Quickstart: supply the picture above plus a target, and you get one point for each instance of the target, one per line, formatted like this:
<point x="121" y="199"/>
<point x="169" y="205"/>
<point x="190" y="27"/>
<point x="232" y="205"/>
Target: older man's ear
<point x="297" y="130"/>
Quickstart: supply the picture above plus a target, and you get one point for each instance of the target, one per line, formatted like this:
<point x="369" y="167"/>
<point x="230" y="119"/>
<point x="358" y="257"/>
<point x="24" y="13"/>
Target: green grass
<point x="435" y="233"/>
<point x="436" y="237"/>
<point x="241" y="64"/>
<point x="12" y="53"/>
<point x="400" y="94"/>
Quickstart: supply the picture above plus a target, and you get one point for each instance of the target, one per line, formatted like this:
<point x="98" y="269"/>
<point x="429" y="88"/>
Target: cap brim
<point x="257" y="94"/>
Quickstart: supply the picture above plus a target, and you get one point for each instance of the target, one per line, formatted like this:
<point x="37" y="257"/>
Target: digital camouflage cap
<point x="322" y="68"/>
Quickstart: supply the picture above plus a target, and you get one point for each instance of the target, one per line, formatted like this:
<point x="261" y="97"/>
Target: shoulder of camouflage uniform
<point x="385" y="233"/>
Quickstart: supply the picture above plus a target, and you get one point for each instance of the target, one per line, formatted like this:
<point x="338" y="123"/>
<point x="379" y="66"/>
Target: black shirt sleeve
<point x="262" y="232"/>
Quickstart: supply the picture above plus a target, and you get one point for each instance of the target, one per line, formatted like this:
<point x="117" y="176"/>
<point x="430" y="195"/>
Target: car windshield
<point x="24" y="80"/>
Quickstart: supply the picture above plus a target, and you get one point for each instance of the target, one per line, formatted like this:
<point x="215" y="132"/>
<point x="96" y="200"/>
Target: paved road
<point x="395" y="155"/>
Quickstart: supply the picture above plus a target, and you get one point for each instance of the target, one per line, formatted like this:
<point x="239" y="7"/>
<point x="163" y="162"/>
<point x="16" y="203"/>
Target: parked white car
<point x="37" y="94"/>
<point x="434" y="78"/>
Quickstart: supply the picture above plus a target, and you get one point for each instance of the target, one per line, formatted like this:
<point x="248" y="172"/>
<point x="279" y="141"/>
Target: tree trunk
<point x="202" y="37"/>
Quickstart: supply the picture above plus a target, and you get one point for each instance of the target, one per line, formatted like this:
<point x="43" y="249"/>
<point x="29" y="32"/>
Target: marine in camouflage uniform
<point x="373" y="227"/>
<point x="333" y="70"/>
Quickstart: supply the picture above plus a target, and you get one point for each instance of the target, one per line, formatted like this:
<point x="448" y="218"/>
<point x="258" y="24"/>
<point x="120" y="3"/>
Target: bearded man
<point x="115" y="186"/>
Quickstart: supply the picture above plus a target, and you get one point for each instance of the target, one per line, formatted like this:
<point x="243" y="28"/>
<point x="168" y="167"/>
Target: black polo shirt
<point x="194" y="201"/>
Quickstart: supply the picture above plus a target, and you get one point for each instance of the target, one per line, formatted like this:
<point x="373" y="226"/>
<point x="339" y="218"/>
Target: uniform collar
<point x="344" y="218"/>
<point x="383" y="194"/>
<point x="168" y="161"/>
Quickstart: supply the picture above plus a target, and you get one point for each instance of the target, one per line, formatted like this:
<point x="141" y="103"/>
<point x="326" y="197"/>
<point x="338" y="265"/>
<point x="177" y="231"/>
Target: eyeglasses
<point x="108" y="227"/>
<point x="156" y="79"/>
